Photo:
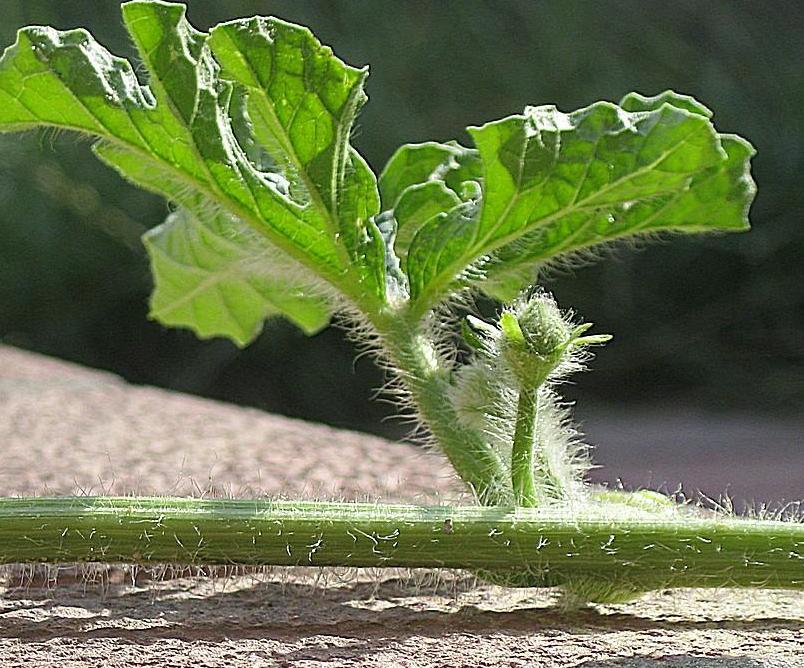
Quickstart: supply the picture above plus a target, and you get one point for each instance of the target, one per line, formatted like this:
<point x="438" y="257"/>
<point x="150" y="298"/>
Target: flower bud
<point x="536" y="337"/>
<point x="543" y="327"/>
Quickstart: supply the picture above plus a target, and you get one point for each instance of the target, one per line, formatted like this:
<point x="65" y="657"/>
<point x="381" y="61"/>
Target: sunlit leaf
<point x="193" y="132"/>
<point x="218" y="279"/>
<point x="554" y="183"/>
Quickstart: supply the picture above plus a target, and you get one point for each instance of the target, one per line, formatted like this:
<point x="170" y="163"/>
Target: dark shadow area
<point x="679" y="661"/>
<point x="290" y="611"/>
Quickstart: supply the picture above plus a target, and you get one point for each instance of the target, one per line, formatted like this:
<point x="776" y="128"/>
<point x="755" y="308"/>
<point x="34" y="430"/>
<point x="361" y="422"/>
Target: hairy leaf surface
<point x="246" y="129"/>
<point x="553" y="183"/>
<point x="312" y="197"/>
<point x="302" y="102"/>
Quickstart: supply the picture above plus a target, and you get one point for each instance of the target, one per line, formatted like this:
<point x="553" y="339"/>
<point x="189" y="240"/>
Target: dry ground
<point x="65" y="430"/>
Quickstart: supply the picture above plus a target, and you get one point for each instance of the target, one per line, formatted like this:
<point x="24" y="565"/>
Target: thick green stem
<point x="638" y="553"/>
<point x="525" y="493"/>
<point x="416" y="359"/>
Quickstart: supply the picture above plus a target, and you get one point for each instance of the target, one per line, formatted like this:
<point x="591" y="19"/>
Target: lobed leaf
<point x="554" y="183"/>
<point x="192" y="133"/>
<point x="220" y="280"/>
<point x="302" y="102"/>
<point x="422" y="182"/>
<point x="450" y="163"/>
<point x="250" y="125"/>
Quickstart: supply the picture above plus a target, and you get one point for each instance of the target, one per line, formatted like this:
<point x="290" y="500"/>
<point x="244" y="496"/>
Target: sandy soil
<point x="65" y="430"/>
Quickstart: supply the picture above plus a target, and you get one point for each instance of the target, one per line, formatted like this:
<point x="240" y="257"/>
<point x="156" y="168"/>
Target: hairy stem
<point x="532" y="476"/>
<point x="415" y="358"/>
<point x="638" y="552"/>
<point x="525" y="492"/>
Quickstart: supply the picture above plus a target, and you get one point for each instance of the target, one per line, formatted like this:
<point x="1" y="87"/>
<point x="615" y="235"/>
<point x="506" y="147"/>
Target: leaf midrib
<point x="208" y="188"/>
<point x="203" y="188"/>
<point x="427" y="297"/>
<point x="189" y="131"/>
<point x="272" y="122"/>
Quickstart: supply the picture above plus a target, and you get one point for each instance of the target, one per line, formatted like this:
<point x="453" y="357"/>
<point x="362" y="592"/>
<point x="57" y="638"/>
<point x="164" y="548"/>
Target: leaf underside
<point x="245" y="129"/>
<point x="214" y="277"/>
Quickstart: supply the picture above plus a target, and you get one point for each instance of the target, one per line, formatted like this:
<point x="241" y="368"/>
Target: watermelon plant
<point x="245" y="130"/>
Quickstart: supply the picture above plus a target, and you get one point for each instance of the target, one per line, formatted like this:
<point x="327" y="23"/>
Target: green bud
<point x="535" y="339"/>
<point x="543" y="326"/>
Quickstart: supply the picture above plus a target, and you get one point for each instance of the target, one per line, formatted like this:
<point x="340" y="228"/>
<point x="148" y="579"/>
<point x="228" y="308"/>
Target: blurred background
<point x="704" y="381"/>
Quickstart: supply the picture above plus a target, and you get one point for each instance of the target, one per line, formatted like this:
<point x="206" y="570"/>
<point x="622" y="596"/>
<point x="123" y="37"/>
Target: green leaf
<point x="302" y="102"/>
<point x="554" y="183"/>
<point x="419" y="204"/>
<point x="638" y="102"/>
<point x="253" y="119"/>
<point x="716" y="199"/>
<point x="271" y="150"/>
<point x="414" y="164"/>
<point x="477" y="333"/>
<point x="218" y="279"/>
<point x="425" y="181"/>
